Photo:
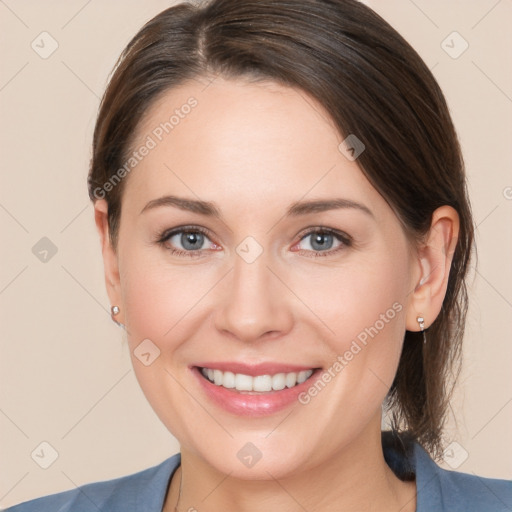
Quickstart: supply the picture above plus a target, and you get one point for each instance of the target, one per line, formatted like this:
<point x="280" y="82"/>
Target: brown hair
<point x="373" y="84"/>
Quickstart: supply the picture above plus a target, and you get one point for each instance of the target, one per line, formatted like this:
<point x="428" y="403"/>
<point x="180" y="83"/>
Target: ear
<point x="110" y="263"/>
<point x="434" y="259"/>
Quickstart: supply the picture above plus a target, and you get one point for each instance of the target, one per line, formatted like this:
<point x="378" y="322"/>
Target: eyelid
<point x="345" y="240"/>
<point x="340" y="235"/>
<point x="322" y="229"/>
<point x="168" y="233"/>
<point x="163" y="237"/>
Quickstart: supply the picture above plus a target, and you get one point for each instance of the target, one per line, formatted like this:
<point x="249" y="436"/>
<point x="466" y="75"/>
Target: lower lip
<point x="245" y="404"/>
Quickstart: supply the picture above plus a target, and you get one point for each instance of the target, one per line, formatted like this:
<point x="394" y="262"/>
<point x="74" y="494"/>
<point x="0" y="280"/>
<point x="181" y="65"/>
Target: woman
<point x="281" y="203"/>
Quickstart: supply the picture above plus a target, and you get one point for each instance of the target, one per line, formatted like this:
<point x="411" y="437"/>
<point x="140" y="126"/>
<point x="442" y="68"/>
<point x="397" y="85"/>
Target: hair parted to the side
<point x="373" y="84"/>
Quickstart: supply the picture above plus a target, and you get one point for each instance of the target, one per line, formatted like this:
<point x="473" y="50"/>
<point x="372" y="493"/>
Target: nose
<point x="253" y="302"/>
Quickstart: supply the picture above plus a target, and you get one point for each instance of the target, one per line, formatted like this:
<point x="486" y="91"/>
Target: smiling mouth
<point x="259" y="383"/>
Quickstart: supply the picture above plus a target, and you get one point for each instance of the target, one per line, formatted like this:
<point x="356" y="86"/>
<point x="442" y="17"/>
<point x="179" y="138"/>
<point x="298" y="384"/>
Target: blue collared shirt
<point x="438" y="490"/>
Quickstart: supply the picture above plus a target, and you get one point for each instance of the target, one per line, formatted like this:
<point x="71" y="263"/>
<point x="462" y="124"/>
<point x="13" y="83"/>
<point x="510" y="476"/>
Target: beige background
<point x="65" y="372"/>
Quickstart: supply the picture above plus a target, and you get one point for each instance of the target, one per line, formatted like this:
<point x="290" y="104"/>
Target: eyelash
<point x="166" y="235"/>
<point x="345" y="240"/>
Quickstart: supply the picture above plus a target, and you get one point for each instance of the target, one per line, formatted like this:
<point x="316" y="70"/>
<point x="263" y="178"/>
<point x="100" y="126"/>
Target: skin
<point x="253" y="149"/>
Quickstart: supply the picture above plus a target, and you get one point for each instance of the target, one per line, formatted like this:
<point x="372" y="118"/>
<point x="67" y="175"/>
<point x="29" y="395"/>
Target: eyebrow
<point x="322" y="205"/>
<point x="296" y="209"/>
<point x="191" y="205"/>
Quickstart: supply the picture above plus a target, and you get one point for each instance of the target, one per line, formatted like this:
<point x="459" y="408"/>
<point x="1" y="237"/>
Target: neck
<point x="355" y="478"/>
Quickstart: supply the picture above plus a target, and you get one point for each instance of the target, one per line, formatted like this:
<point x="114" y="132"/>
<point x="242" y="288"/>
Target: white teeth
<point x="261" y="383"/>
<point x="229" y="380"/>
<point x="218" y="377"/>
<point x="243" y="382"/>
<point x="291" y="379"/>
<point x="278" y="382"/>
<point x="302" y="376"/>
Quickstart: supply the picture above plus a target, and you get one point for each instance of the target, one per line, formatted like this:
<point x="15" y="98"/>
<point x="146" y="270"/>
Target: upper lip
<point x="254" y="369"/>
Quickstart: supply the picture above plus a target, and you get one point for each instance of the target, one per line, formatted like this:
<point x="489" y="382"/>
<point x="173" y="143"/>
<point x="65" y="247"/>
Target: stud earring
<point x="114" y="310"/>
<point x="421" y="322"/>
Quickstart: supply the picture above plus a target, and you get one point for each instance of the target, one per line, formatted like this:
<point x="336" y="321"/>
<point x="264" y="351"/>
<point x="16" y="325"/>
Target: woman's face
<point x="250" y="244"/>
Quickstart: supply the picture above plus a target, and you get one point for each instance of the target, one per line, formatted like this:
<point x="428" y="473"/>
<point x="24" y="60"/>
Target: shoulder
<point x="142" y="491"/>
<point x="440" y="489"/>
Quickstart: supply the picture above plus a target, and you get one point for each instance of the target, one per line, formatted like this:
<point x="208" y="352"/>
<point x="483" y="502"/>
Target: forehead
<point x="234" y="139"/>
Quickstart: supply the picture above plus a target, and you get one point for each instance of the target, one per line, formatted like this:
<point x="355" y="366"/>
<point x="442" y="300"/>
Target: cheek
<point x="163" y="304"/>
<point x="160" y="298"/>
<point x="357" y="298"/>
<point x="362" y="310"/>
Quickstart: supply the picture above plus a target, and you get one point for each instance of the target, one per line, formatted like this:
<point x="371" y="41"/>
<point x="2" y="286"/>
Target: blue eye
<point x="323" y="242"/>
<point x="186" y="241"/>
<point x="189" y="240"/>
<point x="320" y="241"/>
<point x="193" y="242"/>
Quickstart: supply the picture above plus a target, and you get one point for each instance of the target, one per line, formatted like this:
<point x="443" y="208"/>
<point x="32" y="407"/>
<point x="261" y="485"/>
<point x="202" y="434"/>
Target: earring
<point x="421" y="321"/>
<point x="114" y="310"/>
